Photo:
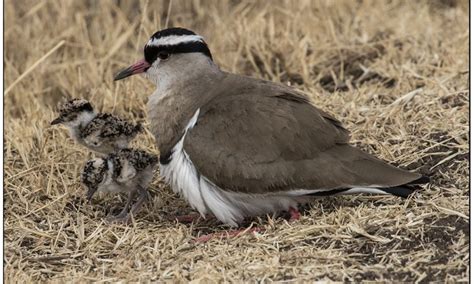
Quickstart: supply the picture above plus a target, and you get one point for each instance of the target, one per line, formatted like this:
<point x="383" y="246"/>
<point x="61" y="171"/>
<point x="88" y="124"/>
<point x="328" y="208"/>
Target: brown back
<point x="255" y="136"/>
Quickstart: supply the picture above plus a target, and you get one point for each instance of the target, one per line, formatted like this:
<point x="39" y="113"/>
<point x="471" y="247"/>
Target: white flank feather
<point x="182" y="175"/>
<point x="364" y="190"/>
<point x="230" y="207"/>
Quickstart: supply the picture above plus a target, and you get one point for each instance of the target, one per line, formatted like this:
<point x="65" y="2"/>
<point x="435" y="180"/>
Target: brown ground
<point x="395" y="72"/>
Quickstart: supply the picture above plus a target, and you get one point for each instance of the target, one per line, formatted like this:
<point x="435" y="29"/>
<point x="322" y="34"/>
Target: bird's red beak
<point x="138" y="67"/>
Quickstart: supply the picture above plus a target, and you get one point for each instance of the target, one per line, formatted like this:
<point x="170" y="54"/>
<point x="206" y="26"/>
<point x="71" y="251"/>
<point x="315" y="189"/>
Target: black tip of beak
<point x="123" y="74"/>
<point x="56" y="121"/>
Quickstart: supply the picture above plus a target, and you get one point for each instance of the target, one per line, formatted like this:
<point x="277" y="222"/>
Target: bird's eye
<point x="163" y="55"/>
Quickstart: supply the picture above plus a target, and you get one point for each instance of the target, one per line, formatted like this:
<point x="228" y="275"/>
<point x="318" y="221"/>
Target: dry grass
<point x="395" y="72"/>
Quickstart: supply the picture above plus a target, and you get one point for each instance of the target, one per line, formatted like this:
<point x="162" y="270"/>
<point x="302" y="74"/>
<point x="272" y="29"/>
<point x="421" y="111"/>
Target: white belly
<point x="231" y="207"/>
<point x="112" y="188"/>
<point x="204" y="196"/>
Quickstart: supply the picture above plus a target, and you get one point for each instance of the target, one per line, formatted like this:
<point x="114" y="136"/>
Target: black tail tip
<point x="399" y="191"/>
<point x="407" y="189"/>
<point x="421" y="180"/>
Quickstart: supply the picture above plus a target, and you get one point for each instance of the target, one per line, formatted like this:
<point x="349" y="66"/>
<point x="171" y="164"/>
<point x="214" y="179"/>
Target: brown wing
<point x="137" y="158"/>
<point x="266" y="137"/>
<point x="109" y="126"/>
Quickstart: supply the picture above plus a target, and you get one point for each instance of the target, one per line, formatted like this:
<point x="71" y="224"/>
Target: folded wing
<point x="269" y="138"/>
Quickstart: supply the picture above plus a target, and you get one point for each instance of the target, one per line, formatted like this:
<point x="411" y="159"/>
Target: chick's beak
<point x="57" y="121"/>
<point x="138" y="67"/>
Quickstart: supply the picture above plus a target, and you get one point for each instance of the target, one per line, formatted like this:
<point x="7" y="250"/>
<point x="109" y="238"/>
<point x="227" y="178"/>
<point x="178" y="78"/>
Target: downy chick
<point x="128" y="170"/>
<point x="100" y="132"/>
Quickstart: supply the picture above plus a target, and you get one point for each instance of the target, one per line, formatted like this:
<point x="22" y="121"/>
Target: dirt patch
<point x="350" y="69"/>
<point x="438" y="234"/>
<point x="455" y="100"/>
<point x="441" y="145"/>
<point x="276" y="65"/>
<point x="444" y="4"/>
<point x="441" y="233"/>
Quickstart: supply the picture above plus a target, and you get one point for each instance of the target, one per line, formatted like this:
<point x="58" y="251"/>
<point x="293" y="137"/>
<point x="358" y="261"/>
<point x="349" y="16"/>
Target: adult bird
<point x="238" y="147"/>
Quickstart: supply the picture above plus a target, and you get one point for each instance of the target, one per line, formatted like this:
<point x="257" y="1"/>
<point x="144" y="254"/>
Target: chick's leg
<point x="143" y="194"/>
<point x="123" y="215"/>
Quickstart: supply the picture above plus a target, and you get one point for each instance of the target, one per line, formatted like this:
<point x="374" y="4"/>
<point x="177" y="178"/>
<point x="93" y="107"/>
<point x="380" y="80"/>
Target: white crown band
<point x="174" y="40"/>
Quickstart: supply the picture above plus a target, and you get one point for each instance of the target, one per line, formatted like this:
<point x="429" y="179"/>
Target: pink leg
<point x="294" y="213"/>
<point x="226" y="234"/>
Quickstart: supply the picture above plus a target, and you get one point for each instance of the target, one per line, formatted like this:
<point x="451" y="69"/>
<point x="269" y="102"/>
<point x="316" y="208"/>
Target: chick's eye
<point x="163" y="55"/>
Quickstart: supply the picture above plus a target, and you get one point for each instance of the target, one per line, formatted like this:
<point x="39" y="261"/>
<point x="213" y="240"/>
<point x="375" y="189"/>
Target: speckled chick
<point x="101" y="132"/>
<point x="128" y="170"/>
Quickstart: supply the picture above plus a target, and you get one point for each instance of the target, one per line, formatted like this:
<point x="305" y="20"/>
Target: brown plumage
<point x="298" y="146"/>
<point x="106" y="125"/>
<point x="238" y="146"/>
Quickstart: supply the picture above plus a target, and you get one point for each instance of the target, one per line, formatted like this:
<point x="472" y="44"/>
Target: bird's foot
<point x="294" y="214"/>
<point x="125" y="217"/>
<point x="226" y="234"/>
